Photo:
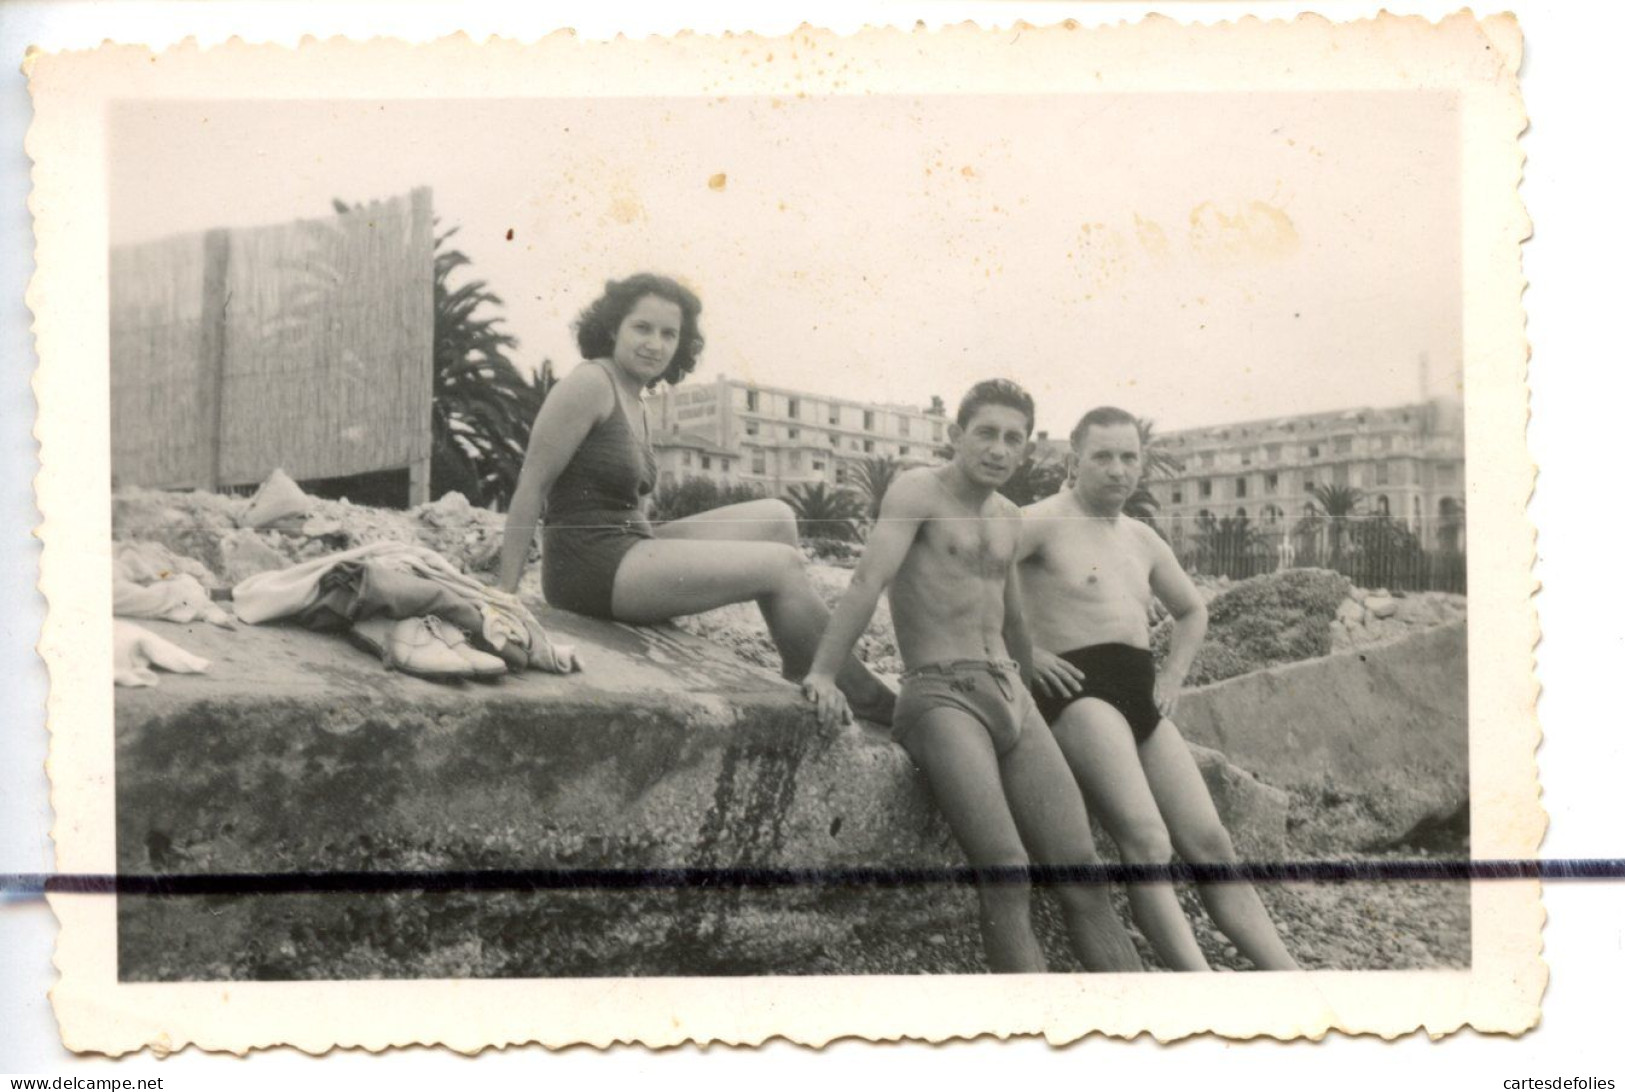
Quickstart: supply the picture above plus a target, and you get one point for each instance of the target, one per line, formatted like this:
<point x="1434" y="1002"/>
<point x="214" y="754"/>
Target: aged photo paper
<point x="298" y="311"/>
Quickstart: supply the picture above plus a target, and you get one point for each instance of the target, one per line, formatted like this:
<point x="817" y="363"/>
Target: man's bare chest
<point x="971" y="544"/>
<point x="1098" y="567"/>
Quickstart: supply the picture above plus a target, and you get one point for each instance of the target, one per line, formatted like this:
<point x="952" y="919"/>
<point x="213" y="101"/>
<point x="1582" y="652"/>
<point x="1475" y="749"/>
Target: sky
<point x="1194" y="258"/>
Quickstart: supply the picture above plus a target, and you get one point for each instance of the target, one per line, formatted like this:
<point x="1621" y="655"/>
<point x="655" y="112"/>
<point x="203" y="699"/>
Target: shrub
<point x="696" y="495"/>
<point x="1277" y="618"/>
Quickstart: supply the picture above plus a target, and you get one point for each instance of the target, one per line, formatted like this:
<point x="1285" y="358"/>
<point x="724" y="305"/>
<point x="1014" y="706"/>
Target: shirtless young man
<point x="945" y="544"/>
<point x="1088" y="573"/>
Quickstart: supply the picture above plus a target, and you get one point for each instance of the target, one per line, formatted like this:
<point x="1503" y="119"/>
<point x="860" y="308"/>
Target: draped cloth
<point x="399" y="580"/>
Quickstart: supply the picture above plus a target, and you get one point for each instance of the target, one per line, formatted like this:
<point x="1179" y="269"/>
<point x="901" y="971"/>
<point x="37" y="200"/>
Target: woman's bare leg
<point x="750" y="521"/>
<point x="729" y="555"/>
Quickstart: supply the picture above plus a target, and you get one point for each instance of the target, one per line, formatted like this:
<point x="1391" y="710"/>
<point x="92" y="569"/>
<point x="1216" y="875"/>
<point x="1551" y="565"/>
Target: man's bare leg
<point x="1199" y="836"/>
<point x="1050" y="814"/>
<point x="959" y="762"/>
<point x="1099" y="746"/>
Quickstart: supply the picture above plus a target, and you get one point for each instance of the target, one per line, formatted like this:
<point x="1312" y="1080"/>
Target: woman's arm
<point x="572" y="408"/>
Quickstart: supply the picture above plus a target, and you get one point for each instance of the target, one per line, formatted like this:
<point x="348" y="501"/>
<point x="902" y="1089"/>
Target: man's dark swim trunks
<point x="1122" y="676"/>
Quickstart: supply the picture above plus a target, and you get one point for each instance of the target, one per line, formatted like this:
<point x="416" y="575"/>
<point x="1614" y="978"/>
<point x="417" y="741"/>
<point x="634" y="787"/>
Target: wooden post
<point x="417" y="471"/>
<point x="212" y="357"/>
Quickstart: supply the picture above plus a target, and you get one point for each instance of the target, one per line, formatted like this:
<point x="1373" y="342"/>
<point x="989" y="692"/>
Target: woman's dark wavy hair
<point x="597" y="324"/>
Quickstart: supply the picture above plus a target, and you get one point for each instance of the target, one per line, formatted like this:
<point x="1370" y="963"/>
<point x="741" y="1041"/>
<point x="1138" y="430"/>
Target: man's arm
<point x="901" y="513"/>
<point x="1017" y="641"/>
<point x="1178" y="593"/>
<point x="1051" y="676"/>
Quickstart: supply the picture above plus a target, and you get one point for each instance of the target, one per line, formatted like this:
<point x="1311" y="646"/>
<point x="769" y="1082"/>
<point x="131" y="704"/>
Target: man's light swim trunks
<point x="989" y="690"/>
<point x="1122" y="676"/>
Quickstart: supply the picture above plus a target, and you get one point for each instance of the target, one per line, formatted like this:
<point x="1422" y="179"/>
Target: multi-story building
<point x="681" y="456"/>
<point x="780" y="437"/>
<point x="1406" y="461"/>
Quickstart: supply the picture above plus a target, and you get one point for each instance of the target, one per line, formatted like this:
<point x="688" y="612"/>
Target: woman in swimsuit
<point x="590" y="460"/>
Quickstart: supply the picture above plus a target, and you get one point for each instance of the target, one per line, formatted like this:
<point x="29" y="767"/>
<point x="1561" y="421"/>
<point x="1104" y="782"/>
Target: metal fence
<point x="306" y="345"/>
<point x="1371" y="551"/>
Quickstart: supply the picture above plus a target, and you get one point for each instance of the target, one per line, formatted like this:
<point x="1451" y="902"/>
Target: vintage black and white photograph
<point x="781" y="535"/>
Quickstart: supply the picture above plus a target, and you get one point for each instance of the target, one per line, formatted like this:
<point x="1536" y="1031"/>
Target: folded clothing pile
<point x="437" y="617"/>
<point x="149" y="581"/>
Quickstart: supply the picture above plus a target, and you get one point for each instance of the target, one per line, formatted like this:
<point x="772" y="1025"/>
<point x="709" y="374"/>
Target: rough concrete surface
<point x="1374" y="738"/>
<point x="299" y="752"/>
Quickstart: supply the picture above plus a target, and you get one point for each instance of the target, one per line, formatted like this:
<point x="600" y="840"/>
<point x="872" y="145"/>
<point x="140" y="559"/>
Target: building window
<point x="1382" y="472"/>
<point x="1314" y="451"/>
<point x="1384" y="443"/>
<point x="1241" y="488"/>
<point x="857" y="446"/>
<point x="1308" y="483"/>
<point x="818" y="464"/>
<point x="688" y="458"/>
<point x="834" y="440"/>
<point x="1272" y="515"/>
<point x="1241" y="513"/>
<point x="902" y="451"/>
<point x="1272" y="482"/>
<point x="725" y="466"/>
<point x="868" y="445"/>
<point x="795" y="460"/>
<point x="794" y="409"/>
<point x="752" y="428"/>
<point x="793" y="434"/>
<point x="758" y="464"/>
<point x="1382" y="506"/>
<point x="1177" y="496"/>
<point x="1342" y="445"/>
<point x="1207" y="458"/>
<point x="868" y="420"/>
<point x="835" y="415"/>
<point x="1246" y="458"/>
<point x="902" y="426"/>
<point x="1272" y="453"/>
<point x="705" y="462"/>
<point x="840" y="475"/>
<point x="753" y="402"/>
<point x="1204" y="489"/>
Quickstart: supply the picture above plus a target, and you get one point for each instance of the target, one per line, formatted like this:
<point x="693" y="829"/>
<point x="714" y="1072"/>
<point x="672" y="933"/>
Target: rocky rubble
<point x="216" y="531"/>
<point x="1374" y="617"/>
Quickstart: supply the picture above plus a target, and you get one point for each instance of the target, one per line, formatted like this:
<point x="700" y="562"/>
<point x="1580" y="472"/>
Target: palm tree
<point x="822" y="512"/>
<point x="872" y="477"/>
<point x="1332" y="507"/>
<point x="483" y="405"/>
<point x="1040" y="475"/>
<point x="1156" y="464"/>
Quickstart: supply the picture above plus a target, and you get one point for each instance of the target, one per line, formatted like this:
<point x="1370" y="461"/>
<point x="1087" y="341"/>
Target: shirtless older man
<point x="945" y="544"/>
<point x="1088" y="574"/>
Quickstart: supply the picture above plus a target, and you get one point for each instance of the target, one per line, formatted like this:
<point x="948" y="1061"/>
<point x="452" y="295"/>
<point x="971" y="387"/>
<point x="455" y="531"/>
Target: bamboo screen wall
<point x="306" y="346"/>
